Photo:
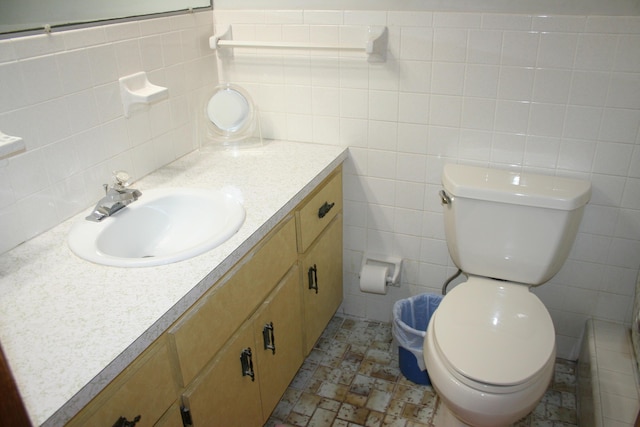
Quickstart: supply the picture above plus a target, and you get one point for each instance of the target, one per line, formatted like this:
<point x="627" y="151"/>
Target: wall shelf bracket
<point x="136" y="89"/>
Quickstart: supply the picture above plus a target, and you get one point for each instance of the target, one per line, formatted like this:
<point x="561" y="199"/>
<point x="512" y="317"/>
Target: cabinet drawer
<point x="146" y="388"/>
<point x="200" y="334"/>
<point x="316" y="213"/>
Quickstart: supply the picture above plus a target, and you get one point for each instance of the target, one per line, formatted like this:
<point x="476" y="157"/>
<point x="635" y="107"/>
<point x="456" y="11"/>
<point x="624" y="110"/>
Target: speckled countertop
<point x="68" y="326"/>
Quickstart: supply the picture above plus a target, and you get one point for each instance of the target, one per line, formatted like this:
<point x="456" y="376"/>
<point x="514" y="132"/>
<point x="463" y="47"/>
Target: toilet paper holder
<point x="394" y="264"/>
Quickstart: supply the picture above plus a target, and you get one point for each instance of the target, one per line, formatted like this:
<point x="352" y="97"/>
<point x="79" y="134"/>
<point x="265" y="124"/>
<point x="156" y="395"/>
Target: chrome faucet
<point x="116" y="197"/>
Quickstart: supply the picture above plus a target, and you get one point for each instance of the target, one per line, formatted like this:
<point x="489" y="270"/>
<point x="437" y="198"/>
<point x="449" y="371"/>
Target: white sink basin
<point x="163" y="226"/>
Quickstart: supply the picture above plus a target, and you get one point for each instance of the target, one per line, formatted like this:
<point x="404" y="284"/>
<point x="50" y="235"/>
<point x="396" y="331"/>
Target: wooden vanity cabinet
<point x="228" y="393"/>
<point x="319" y="224"/>
<point x="204" y="329"/>
<point x="146" y="388"/>
<point x="195" y="369"/>
<point x="322" y="282"/>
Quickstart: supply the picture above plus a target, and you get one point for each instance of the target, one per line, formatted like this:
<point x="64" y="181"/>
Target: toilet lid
<point x="494" y="332"/>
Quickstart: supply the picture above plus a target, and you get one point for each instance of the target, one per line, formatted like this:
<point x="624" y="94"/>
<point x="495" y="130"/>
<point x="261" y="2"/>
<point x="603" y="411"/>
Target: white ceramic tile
<point x="415" y="76"/>
<point x="520" y="48"/>
<point x="412" y="138"/>
<point x="501" y="21"/>
<point x="353" y="74"/>
<point x="410" y="19"/>
<point x="353" y="132"/>
<point x="546" y="119"/>
<point x="484" y="47"/>
<point x="411" y="167"/>
<point x="623" y="90"/>
<point x="582" y="122"/>
<point x="383" y="105"/>
<point x="508" y="149"/>
<point x="456" y="20"/>
<point x="122" y="31"/>
<point x="326" y="130"/>
<point x="445" y="110"/>
<point x="475" y="145"/>
<point x="551" y="85"/>
<point x="300" y="127"/>
<point x="447" y="78"/>
<point x="11" y="86"/>
<point x="557" y="50"/>
<point x="82" y="110"/>
<point x="75" y="70"/>
<point x="413" y="108"/>
<point x="481" y="81"/>
<point x="559" y="23"/>
<point x="589" y="88"/>
<point x="381" y="164"/>
<point x="359" y="17"/>
<point x="576" y="155"/>
<point x="516" y="83"/>
<point x="323" y="101"/>
<point x="623" y="253"/>
<point x="620" y="125"/>
<point x="512" y="116"/>
<point x="53" y="121"/>
<point x="41" y="79"/>
<point x="407" y="221"/>
<point x="612" y="158"/>
<point x="410" y="195"/>
<point x="416" y="43"/>
<point x="450" y="44"/>
<point x="478" y="113"/>
<point x="384" y="76"/>
<point x="595" y="52"/>
<point x="541" y="151"/>
<point x="383" y="135"/>
<point x="323" y="17"/>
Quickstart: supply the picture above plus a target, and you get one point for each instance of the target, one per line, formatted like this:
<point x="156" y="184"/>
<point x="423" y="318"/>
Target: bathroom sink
<point x="163" y="226"/>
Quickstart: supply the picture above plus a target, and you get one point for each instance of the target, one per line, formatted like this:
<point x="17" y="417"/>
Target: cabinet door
<point x="222" y="395"/>
<point x="146" y="388"/>
<point x="279" y="324"/>
<point x="322" y="281"/>
<point x="211" y="321"/>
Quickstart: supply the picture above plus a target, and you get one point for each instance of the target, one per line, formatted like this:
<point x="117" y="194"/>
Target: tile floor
<point x="352" y="378"/>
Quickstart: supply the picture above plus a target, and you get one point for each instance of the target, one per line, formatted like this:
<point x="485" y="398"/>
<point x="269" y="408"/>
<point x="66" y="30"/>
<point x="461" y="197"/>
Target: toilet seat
<point x="493" y="335"/>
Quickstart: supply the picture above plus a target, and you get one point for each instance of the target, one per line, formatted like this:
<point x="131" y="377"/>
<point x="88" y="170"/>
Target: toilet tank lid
<point x="521" y="188"/>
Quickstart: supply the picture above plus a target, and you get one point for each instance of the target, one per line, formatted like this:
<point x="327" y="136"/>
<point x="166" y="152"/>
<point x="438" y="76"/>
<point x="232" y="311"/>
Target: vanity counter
<point x="68" y="327"/>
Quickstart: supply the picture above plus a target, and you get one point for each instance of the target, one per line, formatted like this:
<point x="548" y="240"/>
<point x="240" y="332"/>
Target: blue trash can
<point x="410" y="320"/>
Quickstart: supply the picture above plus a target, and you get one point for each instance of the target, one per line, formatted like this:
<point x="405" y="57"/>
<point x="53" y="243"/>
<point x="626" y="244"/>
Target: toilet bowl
<point x="490" y="351"/>
<point x="490" y="346"/>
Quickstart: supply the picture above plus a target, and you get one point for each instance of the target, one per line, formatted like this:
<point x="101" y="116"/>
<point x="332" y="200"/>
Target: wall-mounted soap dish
<point x="136" y="89"/>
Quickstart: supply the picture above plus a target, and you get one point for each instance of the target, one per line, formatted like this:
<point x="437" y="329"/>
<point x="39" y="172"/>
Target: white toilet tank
<point x="510" y="225"/>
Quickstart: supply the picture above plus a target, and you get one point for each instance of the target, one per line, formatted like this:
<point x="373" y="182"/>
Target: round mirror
<point x="230" y="110"/>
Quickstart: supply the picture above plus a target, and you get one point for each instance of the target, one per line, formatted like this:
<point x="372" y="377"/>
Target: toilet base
<point x="445" y="418"/>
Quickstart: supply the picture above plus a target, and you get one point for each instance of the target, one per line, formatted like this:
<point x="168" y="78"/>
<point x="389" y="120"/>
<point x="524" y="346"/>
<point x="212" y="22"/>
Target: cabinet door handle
<point x="247" y="363"/>
<point x="268" y="337"/>
<point x="313" y="278"/>
<point x="123" y="422"/>
<point x="324" y="209"/>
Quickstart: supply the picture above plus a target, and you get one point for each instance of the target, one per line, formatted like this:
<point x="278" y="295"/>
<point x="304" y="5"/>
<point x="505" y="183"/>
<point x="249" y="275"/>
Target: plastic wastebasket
<point x="410" y="320"/>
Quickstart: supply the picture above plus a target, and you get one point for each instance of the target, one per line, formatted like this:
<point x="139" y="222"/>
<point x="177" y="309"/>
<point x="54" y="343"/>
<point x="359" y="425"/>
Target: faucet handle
<point x="121" y="178"/>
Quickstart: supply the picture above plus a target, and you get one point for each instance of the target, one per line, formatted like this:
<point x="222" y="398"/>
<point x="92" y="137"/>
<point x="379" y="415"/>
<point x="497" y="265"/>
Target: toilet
<point x="490" y="346"/>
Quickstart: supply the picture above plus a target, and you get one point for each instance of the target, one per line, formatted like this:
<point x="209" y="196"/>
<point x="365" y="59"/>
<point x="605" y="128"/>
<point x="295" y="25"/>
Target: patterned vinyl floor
<point x="352" y="378"/>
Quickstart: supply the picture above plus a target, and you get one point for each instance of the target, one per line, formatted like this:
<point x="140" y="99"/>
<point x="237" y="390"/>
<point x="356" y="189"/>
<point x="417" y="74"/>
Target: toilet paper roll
<point x="373" y="279"/>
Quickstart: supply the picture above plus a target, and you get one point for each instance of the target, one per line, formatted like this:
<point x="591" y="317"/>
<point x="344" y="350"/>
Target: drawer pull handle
<point x="123" y="422"/>
<point x="313" y="278"/>
<point x="247" y="364"/>
<point x="268" y="338"/>
<point x="324" y="209"/>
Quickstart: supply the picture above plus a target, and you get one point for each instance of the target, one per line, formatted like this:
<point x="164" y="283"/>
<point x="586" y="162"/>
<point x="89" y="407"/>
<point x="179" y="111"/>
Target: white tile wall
<point x="556" y="94"/>
<point x="60" y="93"/>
